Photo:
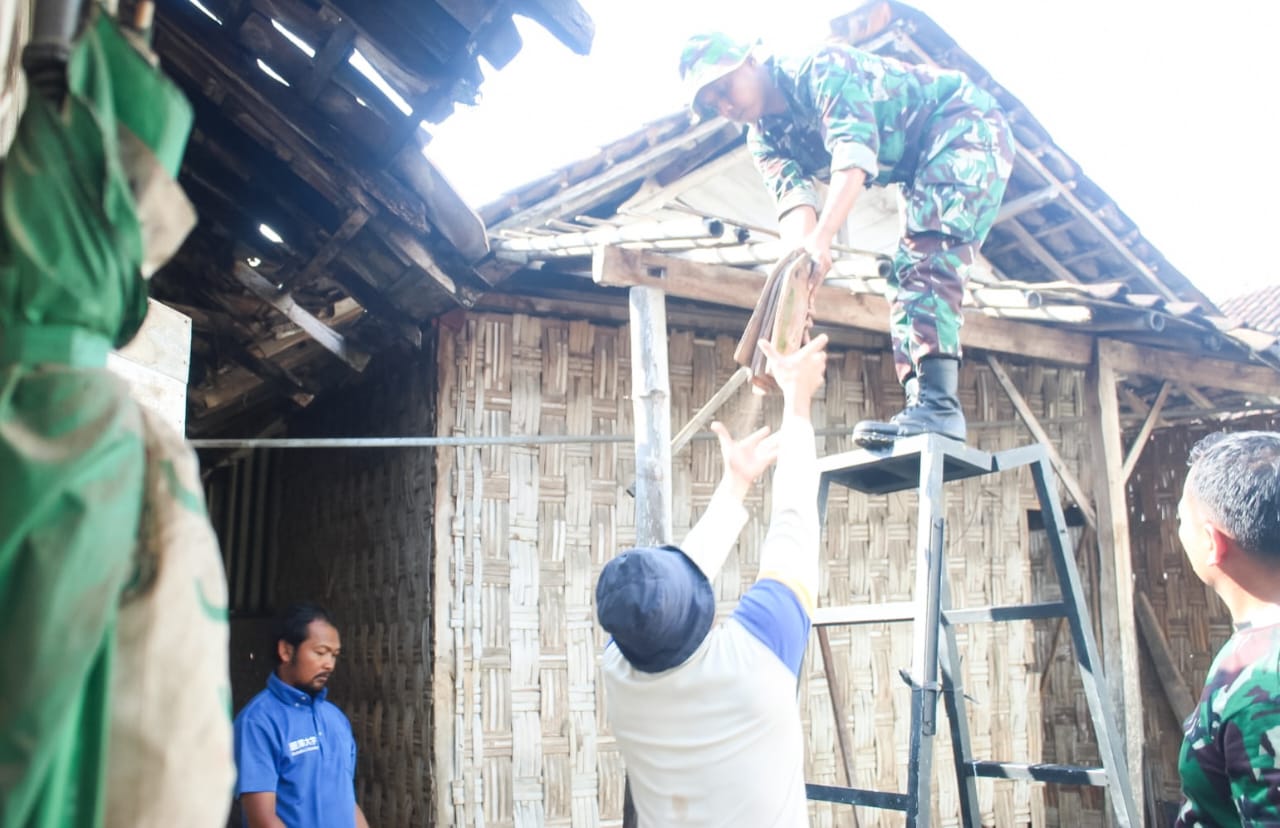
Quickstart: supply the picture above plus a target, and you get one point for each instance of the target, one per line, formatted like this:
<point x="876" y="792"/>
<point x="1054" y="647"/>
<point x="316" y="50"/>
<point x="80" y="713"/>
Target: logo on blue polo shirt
<point x="303" y="745"/>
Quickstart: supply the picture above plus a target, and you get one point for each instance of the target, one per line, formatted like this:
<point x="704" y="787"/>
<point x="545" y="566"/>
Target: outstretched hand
<point x="818" y="246"/>
<point x="746" y="459"/>
<point x="798" y="374"/>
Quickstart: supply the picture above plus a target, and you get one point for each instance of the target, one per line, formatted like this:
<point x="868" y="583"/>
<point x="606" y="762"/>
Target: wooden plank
<point x="1119" y="630"/>
<point x="1191" y="369"/>
<point x="194" y="46"/>
<point x="1197" y="398"/>
<point x="335" y="51"/>
<point x="651" y="396"/>
<point x="447" y="603"/>
<point x="334" y="245"/>
<point x="1176" y="690"/>
<point x="327" y="337"/>
<point x="1039" y="253"/>
<point x="416" y="254"/>
<point x="738" y="287"/>
<point x="1140" y="442"/>
<point x="565" y="19"/>
<point x="1033" y="425"/>
<point x="1033" y="200"/>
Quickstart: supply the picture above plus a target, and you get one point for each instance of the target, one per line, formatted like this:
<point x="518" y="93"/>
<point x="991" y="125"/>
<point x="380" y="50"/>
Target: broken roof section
<point x="325" y="234"/>
<point x="1062" y="253"/>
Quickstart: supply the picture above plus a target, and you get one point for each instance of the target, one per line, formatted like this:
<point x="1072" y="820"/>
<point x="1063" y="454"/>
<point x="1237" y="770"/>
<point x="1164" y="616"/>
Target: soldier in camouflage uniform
<point x="862" y="119"/>
<point x="1229" y="525"/>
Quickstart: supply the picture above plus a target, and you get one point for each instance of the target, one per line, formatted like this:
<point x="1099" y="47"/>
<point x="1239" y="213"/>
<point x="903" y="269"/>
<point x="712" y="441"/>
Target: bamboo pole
<point x="691" y="229"/>
<point x="650" y="397"/>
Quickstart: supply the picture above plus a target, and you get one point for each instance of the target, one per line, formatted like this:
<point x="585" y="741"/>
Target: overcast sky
<point x="1170" y="108"/>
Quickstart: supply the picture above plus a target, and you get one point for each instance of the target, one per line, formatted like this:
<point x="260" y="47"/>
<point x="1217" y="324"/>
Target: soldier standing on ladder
<point x="861" y="119"/>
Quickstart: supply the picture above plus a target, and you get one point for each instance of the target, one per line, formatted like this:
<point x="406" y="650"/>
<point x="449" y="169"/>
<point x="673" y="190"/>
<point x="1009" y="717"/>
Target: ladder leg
<point x="837" y="709"/>
<point x="924" y="662"/>
<point x="953" y="697"/>
<point x="1110" y="744"/>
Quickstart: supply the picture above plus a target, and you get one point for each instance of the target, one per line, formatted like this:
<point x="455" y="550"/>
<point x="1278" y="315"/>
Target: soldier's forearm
<point x="846" y="186"/>
<point x="796" y="224"/>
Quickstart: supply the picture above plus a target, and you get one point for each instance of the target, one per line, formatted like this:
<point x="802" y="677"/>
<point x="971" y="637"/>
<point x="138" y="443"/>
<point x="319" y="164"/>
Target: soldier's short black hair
<point x="292" y="623"/>
<point x="1236" y="477"/>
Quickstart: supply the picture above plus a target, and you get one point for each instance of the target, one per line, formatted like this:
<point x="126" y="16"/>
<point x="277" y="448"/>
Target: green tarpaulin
<point x="74" y="242"/>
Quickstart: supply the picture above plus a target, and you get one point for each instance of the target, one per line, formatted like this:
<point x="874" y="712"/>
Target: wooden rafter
<point x="1148" y="425"/>
<point x="329" y="339"/>
<point x="1033" y="425"/>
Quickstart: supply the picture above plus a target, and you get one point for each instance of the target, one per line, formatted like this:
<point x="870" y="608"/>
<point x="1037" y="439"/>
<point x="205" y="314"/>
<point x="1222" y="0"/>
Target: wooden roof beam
<point x="738" y="287"/>
<point x="565" y="19"/>
<point x="326" y="337"/>
<point x="1190" y="369"/>
<point x="1033" y="425"/>
<point x="1148" y="425"/>
<point x="1040" y="253"/>
<point x="1031" y="201"/>
<point x="193" y="46"/>
<point x="298" y="277"/>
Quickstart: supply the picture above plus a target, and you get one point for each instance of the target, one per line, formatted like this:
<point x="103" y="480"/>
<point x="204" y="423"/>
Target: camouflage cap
<point x="707" y="58"/>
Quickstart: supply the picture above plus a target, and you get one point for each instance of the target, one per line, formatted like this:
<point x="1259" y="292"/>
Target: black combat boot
<point x="937" y="407"/>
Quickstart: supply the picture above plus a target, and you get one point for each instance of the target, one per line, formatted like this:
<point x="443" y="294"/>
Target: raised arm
<point x="715" y="533"/>
<point x="790" y="553"/>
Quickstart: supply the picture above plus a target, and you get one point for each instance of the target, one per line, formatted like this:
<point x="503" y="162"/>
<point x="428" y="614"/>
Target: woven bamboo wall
<point x="354" y="534"/>
<point x="1195" y="622"/>
<point x="522" y="532"/>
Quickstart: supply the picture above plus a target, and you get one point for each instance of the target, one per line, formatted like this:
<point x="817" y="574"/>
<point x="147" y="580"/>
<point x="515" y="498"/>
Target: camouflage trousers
<point x="951" y="204"/>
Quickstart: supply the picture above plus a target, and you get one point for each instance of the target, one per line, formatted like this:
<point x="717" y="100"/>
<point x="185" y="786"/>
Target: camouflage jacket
<point x="847" y="108"/>
<point x="1229" y="768"/>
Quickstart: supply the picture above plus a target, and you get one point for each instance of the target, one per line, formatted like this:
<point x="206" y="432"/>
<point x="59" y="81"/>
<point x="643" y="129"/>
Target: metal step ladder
<point x="926" y="462"/>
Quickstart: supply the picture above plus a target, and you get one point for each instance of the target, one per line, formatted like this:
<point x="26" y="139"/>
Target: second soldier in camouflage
<point x="863" y="119"/>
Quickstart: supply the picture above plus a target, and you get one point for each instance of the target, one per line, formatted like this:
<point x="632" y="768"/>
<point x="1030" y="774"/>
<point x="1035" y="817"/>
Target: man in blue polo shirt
<point x="295" y="753"/>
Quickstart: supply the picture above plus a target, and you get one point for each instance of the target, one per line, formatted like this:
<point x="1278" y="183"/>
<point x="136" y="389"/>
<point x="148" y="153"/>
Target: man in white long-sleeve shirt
<point x="706" y="719"/>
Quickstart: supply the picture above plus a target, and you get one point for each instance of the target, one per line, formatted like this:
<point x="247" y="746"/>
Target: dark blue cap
<point x="657" y="605"/>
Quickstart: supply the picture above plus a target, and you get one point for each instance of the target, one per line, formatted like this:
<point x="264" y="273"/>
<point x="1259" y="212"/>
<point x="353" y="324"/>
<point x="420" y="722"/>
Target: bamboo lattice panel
<point x="521" y="736"/>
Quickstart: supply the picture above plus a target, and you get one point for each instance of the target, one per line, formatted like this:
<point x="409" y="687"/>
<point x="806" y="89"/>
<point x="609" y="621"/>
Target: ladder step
<point x="897" y="467"/>
<point x="906" y="611"/>
<point x="864" y="614"/>
<point x="857" y="796"/>
<point x="1060" y="774"/>
<point x="1006" y="612"/>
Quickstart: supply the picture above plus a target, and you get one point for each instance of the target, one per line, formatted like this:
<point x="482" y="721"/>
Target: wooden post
<point x="651" y="404"/>
<point x="1119" y="628"/>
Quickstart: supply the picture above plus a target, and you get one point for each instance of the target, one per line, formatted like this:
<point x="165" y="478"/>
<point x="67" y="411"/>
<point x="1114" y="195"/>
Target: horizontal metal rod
<point x="1060" y="774"/>
<point x="1007" y="612"/>
<point x="439" y="442"/>
<point x="405" y="442"/>
<point x="1171" y="415"/>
